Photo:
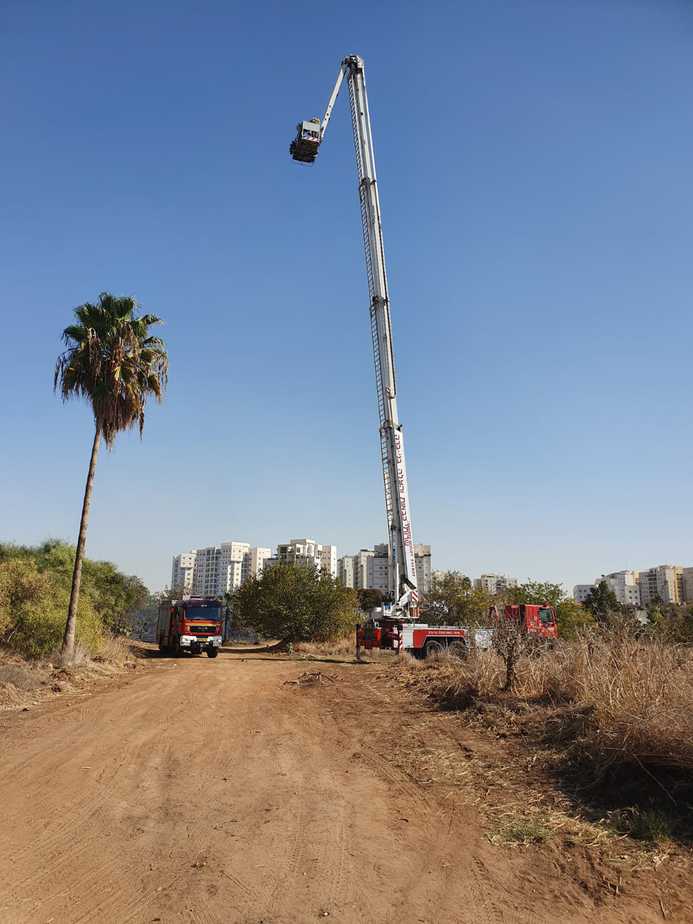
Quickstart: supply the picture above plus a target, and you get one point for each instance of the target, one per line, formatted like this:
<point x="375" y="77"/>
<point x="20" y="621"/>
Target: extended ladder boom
<point x="304" y="148"/>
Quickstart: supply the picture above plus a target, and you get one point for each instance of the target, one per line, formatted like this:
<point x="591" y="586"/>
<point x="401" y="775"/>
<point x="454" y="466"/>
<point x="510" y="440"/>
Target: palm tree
<point x="113" y="362"/>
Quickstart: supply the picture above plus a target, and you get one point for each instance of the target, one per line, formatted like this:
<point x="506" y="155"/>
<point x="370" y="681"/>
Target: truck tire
<point x="212" y="652"/>
<point x="433" y="647"/>
<point x="458" y="648"/>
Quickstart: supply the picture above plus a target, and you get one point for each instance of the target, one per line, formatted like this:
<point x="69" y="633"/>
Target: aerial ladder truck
<point x="394" y="628"/>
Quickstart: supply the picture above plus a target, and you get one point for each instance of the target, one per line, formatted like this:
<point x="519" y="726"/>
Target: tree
<point x="369" y="598"/>
<point x="114" y="363"/>
<point x="602" y="603"/>
<point x="509" y="643"/>
<point x="453" y="600"/>
<point x="536" y="592"/>
<point x="572" y="618"/>
<point x="295" y="603"/>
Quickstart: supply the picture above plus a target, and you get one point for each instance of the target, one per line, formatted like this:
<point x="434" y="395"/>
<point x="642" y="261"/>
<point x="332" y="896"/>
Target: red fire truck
<point x="391" y="633"/>
<point x="194" y="624"/>
<point x="538" y="620"/>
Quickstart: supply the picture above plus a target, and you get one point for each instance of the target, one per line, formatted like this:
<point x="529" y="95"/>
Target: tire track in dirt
<point x="215" y="793"/>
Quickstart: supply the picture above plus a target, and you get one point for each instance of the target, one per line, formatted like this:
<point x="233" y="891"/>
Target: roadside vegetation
<point x="610" y="714"/>
<point x="295" y="603"/>
<point x="35" y="583"/>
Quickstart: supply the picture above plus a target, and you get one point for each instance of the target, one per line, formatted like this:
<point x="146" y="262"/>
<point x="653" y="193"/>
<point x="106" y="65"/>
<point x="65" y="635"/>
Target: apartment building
<point x="254" y="562"/>
<point x="494" y="583"/>
<point x="345" y="570"/>
<point x="664" y="583"/>
<point x="687" y="584"/>
<point x="217" y="569"/>
<point x="371" y="569"/>
<point x="626" y="586"/>
<point x="378" y="568"/>
<point x="182" y="571"/>
<point x="424" y="575"/>
<point x="307" y="552"/>
<point x="581" y="592"/>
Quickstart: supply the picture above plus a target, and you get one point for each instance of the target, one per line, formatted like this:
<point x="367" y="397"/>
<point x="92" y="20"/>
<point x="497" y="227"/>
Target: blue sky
<point x="534" y="161"/>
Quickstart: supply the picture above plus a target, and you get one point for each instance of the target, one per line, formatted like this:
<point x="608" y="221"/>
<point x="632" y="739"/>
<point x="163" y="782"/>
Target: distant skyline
<point x="534" y="162"/>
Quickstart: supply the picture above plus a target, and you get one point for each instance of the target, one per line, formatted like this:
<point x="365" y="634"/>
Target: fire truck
<point x="398" y="628"/>
<point x="538" y="620"/>
<point x="392" y="633"/>
<point x="193" y="624"/>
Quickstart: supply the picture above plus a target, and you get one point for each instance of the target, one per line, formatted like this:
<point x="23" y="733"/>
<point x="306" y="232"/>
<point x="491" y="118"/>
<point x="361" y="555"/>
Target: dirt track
<point x="213" y="791"/>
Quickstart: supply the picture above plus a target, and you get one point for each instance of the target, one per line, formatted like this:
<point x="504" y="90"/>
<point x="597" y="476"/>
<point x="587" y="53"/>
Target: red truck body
<point x="400" y="635"/>
<point x="193" y="624"/>
<point x="536" y="619"/>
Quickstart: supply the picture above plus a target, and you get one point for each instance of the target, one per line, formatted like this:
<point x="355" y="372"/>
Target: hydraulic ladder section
<point x="304" y="148"/>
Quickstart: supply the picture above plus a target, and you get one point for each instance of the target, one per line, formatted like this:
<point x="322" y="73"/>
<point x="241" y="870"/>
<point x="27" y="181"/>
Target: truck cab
<point x="536" y="619"/>
<point x="193" y="624"/>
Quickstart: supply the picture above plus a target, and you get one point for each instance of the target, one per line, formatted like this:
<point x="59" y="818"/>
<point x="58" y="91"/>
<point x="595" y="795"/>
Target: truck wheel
<point x="212" y="652"/>
<point x="458" y="649"/>
<point x="433" y="647"/>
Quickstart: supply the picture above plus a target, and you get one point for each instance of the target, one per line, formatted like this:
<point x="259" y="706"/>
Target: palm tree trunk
<point x="68" y="650"/>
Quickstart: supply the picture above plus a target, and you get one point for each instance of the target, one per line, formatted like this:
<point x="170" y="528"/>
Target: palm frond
<point x="113" y="361"/>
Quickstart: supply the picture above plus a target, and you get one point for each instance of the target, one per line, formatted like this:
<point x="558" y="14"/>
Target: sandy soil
<point x="221" y="791"/>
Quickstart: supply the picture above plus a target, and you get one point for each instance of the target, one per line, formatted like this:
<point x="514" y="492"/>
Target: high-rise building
<point x="254" y="561"/>
<point x="219" y="568"/>
<point x="216" y="569"/>
<point x="182" y="572"/>
<point x="687" y="582"/>
<point x="663" y="583"/>
<point x="345" y="570"/>
<point x="371" y="569"/>
<point x="582" y="591"/>
<point x="307" y="552"/>
<point x="494" y="583"/>
<point x="361" y="559"/>
<point x="625" y="585"/>
<point x="378" y="568"/>
<point x="424" y="575"/>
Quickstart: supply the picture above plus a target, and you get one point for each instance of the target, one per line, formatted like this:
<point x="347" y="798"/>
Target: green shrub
<point x="33" y="604"/>
<point x="295" y="603"/>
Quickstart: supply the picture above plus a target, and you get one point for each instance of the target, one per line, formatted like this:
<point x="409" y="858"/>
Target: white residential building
<point x="424" y="575"/>
<point x="216" y="569"/>
<point x="345" y="570"/>
<point x="378" y="569"/>
<point x="625" y="585"/>
<point x="328" y="560"/>
<point x="219" y="568"/>
<point x="370" y="569"/>
<point x="182" y="572"/>
<point x="494" y="583"/>
<point x="361" y="560"/>
<point x="307" y="552"/>
<point x="662" y="583"/>
<point x="254" y="561"/>
<point x="687" y="582"/>
<point x="582" y="591"/>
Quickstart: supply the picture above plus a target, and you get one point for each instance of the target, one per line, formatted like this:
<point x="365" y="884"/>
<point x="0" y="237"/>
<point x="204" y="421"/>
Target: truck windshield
<point x="208" y="613"/>
<point x="546" y="616"/>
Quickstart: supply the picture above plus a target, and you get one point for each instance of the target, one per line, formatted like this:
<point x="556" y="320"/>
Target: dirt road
<point x="215" y="791"/>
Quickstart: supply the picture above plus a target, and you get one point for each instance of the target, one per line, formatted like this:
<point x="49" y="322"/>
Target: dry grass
<point x="25" y="682"/>
<point x="621" y="699"/>
<point x="344" y="648"/>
